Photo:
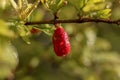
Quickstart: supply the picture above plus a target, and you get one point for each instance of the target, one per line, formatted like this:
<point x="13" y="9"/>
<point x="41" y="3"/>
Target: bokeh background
<point x="95" y="48"/>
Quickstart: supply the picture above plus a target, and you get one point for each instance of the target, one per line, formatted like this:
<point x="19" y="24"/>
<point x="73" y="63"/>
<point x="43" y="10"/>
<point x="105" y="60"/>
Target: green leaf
<point x="23" y="8"/>
<point x="3" y="4"/>
<point x="24" y="33"/>
<point x="104" y="13"/>
<point x="44" y="1"/>
<point x="78" y="4"/>
<point x="5" y="31"/>
<point x="54" y="5"/>
<point x="47" y="29"/>
<point x="94" y="5"/>
<point x="95" y="1"/>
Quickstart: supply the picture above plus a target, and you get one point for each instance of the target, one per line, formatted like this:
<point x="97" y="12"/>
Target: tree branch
<point x="82" y="20"/>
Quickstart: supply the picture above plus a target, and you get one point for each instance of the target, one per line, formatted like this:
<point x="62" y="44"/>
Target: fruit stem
<point x="55" y="18"/>
<point x="56" y="25"/>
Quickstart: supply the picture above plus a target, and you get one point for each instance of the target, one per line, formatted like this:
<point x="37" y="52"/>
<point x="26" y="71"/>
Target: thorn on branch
<point x="55" y="19"/>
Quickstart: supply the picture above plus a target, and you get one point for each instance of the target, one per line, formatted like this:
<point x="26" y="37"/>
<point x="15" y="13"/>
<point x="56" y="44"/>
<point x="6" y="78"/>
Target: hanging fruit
<point x="61" y="42"/>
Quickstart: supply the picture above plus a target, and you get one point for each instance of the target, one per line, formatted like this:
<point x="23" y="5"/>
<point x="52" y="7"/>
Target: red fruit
<point x="34" y="30"/>
<point x="61" y="42"/>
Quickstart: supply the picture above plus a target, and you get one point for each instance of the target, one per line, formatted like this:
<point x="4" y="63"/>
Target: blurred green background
<point x="95" y="48"/>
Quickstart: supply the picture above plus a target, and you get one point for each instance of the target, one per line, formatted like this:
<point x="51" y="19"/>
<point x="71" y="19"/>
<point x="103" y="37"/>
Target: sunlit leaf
<point x="15" y="6"/>
<point x="44" y="1"/>
<point x="78" y="4"/>
<point x="94" y="5"/>
<point x="104" y="13"/>
<point x="5" y="31"/>
<point x="24" y="33"/>
<point x="54" y="5"/>
<point x="3" y="4"/>
<point x="23" y="8"/>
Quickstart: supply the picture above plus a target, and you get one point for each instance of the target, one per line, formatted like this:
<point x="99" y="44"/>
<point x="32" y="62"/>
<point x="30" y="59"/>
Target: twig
<point x="82" y="20"/>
